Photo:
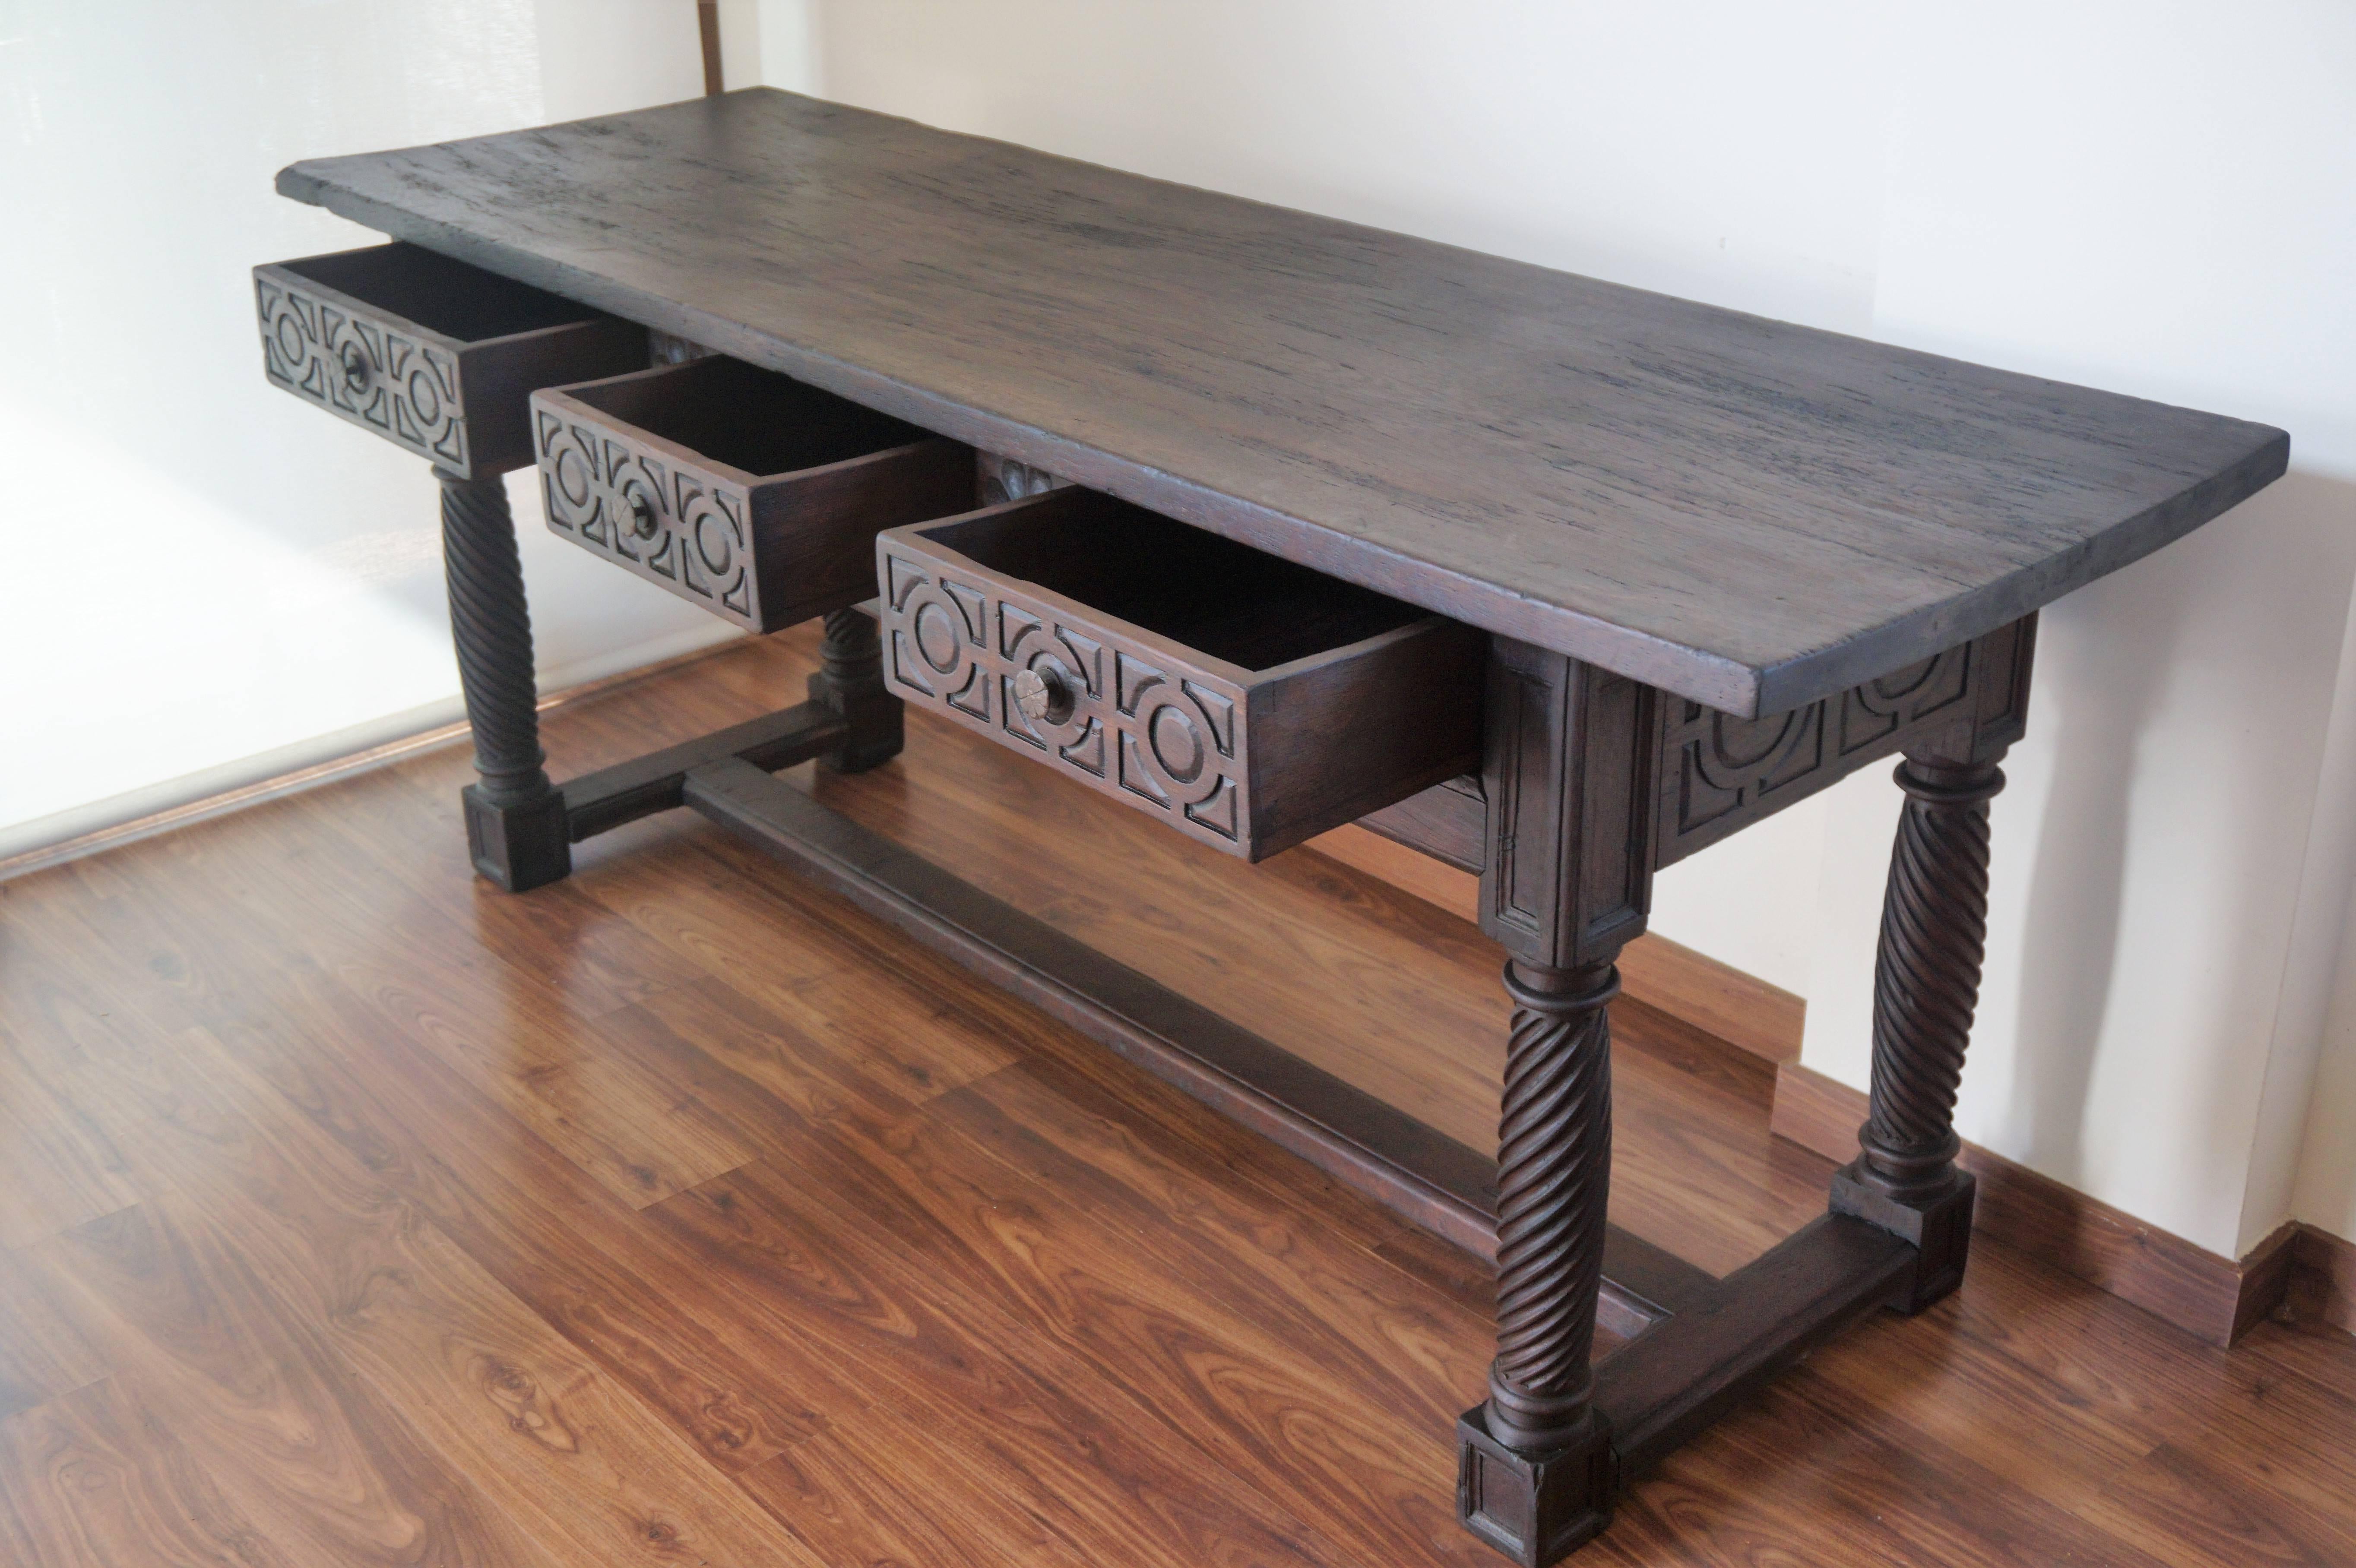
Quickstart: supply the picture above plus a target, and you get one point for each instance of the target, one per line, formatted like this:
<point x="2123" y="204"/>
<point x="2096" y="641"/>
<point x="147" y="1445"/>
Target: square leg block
<point x="1940" y="1226"/>
<point x="519" y="846"/>
<point x="878" y="722"/>
<point x="1533" y="1508"/>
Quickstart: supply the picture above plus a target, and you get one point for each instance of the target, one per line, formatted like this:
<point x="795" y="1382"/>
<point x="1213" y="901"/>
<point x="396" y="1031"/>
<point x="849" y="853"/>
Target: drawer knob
<point x="1044" y="695"/>
<point x="643" y="521"/>
<point x="356" y="368"/>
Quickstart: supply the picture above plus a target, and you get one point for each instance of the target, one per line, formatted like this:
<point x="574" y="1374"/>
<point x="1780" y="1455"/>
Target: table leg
<point x="1568" y="770"/>
<point x="1925" y="989"/>
<point x="515" y="817"/>
<point x="849" y="680"/>
<point x="1536" y="1474"/>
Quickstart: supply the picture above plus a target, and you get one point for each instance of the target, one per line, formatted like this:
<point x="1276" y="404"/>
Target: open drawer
<point x="741" y="490"/>
<point x="430" y="353"/>
<point x="1249" y="702"/>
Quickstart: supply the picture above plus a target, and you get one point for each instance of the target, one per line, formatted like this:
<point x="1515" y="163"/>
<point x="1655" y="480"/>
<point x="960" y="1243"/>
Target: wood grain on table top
<point x="1750" y="513"/>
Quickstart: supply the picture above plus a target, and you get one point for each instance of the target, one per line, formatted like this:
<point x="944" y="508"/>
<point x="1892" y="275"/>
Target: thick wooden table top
<point x="1750" y="513"/>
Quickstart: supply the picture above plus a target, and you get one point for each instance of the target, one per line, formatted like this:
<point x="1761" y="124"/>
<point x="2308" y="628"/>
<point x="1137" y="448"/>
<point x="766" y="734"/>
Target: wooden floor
<point x="354" y="1214"/>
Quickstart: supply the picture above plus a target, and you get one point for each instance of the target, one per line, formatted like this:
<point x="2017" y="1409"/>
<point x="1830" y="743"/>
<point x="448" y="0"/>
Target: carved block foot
<point x="1939" y="1224"/>
<point x="850" y="681"/>
<point x="519" y="846"/>
<point x="1535" y="1507"/>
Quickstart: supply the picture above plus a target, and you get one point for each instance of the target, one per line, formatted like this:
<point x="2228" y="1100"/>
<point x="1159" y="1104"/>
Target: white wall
<point x="208" y="582"/>
<point x="2150" y="198"/>
<point x="212" y="582"/>
<point x="2160" y="199"/>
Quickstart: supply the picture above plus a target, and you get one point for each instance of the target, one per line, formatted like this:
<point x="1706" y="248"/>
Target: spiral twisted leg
<point x="1554" y="1167"/>
<point x="1927" y="973"/>
<point x="1925" y="989"/>
<point x="492" y="626"/>
<point x="515" y="819"/>
<point x="1536" y="1474"/>
<point x="850" y="681"/>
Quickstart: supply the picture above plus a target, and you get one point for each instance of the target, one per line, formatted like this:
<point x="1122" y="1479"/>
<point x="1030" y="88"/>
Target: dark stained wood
<point x="1339" y="1128"/>
<point x="1365" y="1143"/>
<point x="1257" y="701"/>
<point x="515" y="817"/>
<point x="1749" y="513"/>
<point x="1669" y="1385"/>
<point x="1537" y="1461"/>
<point x="1448" y="822"/>
<point x="1926" y="984"/>
<point x="1245" y="702"/>
<point x="2214" y="1299"/>
<point x="849" y="680"/>
<point x="599" y="801"/>
<point x="1036" y="1339"/>
<point x="1566" y="877"/>
<point x="2265" y="1279"/>
<point x="749" y="494"/>
<point x="1399" y="978"/>
<point x="1569" y="753"/>
<point x="433" y="354"/>
<point x="1718" y="774"/>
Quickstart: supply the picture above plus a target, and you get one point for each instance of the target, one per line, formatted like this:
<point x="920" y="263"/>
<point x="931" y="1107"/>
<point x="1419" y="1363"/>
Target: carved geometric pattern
<point x="1720" y="771"/>
<point x="1003" y="479"/>
<point x="664" y="349"/>
<point x="1167" y="742"/>
<point x="667" y="522"/>
<point x="377" y="375"/>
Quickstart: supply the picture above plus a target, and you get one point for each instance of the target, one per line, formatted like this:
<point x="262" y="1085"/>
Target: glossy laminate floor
<point x="354" y="1214"/>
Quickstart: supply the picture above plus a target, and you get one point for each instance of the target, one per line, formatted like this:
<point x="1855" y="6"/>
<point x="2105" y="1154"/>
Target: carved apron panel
<point x="381" y="376"/>
<point x="1121" y="717"/>
<point x="1721" y="772"/>
<point x="668" y="522"/>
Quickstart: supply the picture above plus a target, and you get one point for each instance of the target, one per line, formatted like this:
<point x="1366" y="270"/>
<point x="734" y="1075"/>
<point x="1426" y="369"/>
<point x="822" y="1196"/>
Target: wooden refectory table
<point x="1719" y="562"/>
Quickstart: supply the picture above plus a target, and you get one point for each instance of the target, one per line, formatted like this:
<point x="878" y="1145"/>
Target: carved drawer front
<point x="738" y="489"/>
<point x="431" y="354"/>
<point x="1247" y="701"/>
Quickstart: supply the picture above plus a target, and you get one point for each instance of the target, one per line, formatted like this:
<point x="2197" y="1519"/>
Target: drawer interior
<point x="1219" y="597"/>
<point x="752" y="420"/>
<point x="439" y="294"/>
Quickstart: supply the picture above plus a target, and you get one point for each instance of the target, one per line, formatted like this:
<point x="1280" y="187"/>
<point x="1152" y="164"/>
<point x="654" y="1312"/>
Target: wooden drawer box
<point x="740" y="490"/>
<point x="1249" y="702"/>
<point x="432" y="354"/>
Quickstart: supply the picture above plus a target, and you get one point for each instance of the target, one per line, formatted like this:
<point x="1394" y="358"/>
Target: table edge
<point x="1716" y="680"/>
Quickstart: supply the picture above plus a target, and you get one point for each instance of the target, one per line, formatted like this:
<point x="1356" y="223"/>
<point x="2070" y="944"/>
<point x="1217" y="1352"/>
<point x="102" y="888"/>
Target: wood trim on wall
<point x="2306" y="1270"/>
<point x="707" y="27"/>
<point x="2323" y="1279"/>
<point x="2199" y="1292"/>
